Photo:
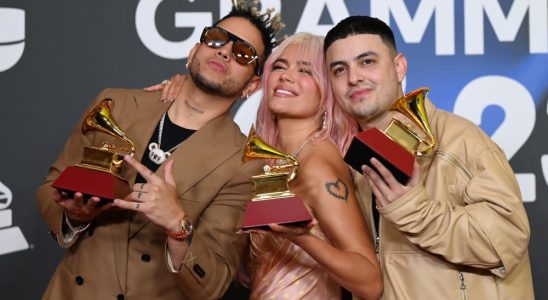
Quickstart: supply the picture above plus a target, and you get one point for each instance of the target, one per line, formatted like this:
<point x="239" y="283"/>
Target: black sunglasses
<point x="242" y="51"/>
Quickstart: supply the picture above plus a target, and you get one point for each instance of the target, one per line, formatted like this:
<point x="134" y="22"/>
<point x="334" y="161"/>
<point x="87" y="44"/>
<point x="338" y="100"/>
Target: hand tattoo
<point x="337" y="189"/>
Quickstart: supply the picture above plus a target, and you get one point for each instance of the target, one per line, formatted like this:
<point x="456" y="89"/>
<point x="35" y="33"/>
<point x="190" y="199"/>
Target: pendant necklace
<point x="156" y="154"/>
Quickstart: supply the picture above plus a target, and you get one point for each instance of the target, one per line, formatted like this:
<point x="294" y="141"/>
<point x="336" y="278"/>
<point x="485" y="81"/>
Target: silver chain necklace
<point x="156" y="154"/>
<point x="306" y="142"/>
<point x="308" y="139"/>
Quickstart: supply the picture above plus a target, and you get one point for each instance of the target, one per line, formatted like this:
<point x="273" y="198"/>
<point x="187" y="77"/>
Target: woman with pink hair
<point x="298" y="115"/>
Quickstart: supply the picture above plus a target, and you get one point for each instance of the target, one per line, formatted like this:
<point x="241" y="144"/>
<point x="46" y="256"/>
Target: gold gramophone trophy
<point x="98" y="174"/>
<point x="272" y="201"/>
<point x="397" y="145"/>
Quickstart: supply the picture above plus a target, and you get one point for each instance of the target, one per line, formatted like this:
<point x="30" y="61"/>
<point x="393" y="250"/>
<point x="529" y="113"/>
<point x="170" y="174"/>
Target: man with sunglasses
<point x="174" y="236"/>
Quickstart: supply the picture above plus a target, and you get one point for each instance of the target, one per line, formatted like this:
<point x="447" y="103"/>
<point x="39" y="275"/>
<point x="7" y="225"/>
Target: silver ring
<point x="166" y="81"/>
<point x="137" y="206"/>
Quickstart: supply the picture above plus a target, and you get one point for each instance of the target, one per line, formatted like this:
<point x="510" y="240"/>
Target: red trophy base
<point x="285" y="211"/>
<point x="374" y="143"/>
<point x="92" y="183"/>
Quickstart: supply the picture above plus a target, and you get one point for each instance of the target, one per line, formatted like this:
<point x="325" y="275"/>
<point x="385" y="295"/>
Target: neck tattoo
<point x="193" y="109"/>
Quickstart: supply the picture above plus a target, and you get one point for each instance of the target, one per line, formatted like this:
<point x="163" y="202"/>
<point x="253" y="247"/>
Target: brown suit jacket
<point x="122" y="253"/>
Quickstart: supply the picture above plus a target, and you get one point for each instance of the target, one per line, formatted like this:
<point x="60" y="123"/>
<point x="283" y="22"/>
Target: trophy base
<point x="284" y="211"/>
<point x="374" y="143"/>
<point x="92" y="183"/>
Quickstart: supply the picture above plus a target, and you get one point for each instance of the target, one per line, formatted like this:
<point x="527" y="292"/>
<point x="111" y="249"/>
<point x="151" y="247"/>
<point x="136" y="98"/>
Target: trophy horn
<point x="100" y="119"/>
<point x="257" y="148"/>
<point x="412" y="106"/>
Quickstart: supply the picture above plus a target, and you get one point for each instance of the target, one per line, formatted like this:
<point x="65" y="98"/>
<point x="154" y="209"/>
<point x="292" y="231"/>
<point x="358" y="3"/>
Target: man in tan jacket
<point x="175" y="234"/>
<point x="457" y="229"/>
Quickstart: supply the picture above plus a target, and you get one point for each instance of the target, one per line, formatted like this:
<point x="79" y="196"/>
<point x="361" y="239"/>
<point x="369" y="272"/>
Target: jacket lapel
<point x="198" y="156"/>
<point x="134" y="118"/>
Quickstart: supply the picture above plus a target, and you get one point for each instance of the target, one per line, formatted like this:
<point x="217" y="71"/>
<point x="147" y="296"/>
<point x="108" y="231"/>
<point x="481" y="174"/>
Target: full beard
<point x="226" y="88"/>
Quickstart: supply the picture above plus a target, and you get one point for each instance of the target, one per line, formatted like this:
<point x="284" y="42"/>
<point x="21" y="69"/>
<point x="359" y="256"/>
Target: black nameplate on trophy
<point x="374" y="143"/>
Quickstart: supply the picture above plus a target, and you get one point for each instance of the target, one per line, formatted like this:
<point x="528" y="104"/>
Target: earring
<point x="273" y="116"/>
<point x="186" y="66"/>
<point x="245" y="96"/>
<point x="324" y="120"/>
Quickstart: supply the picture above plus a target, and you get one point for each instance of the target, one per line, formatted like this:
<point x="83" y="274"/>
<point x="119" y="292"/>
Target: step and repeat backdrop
<point x="486" y="60"/>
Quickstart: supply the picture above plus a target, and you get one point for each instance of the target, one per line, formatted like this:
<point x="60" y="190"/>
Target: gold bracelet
<point x="185" y="230"/>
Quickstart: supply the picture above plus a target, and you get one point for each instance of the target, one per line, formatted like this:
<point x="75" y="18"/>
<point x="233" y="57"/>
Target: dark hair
<point x="355" y="25"/>
<point x="268" y="24"/>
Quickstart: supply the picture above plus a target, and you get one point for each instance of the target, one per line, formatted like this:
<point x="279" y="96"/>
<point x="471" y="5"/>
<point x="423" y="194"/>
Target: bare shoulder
<point x="323" y="159"/>
<point x="323" y="175"/>
<point x="321" y="163"/>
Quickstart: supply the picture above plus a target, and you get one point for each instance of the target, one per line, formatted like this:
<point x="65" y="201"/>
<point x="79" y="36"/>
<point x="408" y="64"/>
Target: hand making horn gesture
<point x="156" y="198"/>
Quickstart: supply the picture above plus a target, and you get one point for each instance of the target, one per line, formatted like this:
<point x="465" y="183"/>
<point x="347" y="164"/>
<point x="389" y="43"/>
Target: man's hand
<point x="170" y="87"/>
<point x="156" y="198"/>
<point x="385" y="186"/>
<point x="77" y="208"/>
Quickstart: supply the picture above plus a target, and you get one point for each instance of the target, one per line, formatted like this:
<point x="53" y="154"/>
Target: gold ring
<point x="166" y="81"/>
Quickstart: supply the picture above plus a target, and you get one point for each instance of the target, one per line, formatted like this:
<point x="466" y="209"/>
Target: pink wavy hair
<point x="341" y="127"/>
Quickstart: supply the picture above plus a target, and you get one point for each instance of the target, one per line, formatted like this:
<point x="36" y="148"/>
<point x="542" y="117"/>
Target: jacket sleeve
<point x="70" y="155"/>
<point x="213" y="258"/>
<point x="489" y="230"/>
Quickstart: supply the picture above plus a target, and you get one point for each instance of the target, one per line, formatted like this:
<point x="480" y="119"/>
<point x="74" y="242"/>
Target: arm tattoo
<point x="337" y="189"/>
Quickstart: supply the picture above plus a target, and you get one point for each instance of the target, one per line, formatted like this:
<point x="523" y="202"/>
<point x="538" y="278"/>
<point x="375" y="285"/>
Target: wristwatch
<point x="185" y="230"/>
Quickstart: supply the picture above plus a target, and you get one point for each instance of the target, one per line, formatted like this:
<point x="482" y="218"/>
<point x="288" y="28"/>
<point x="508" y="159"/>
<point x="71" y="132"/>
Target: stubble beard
<point x="226" y="88"/>
<point x="362" y="111"/>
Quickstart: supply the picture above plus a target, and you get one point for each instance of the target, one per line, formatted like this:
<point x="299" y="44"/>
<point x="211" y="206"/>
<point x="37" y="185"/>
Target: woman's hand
<point x="289" y="231"/>
<point x="170" y="87"/>
<point x="286" y="231"/>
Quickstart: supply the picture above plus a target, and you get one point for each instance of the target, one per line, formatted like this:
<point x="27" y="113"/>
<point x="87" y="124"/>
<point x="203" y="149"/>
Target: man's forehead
<point x="353" y="46"/>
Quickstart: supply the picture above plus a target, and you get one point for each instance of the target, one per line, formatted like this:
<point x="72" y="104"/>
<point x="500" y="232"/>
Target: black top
<point x="172" y="135"/>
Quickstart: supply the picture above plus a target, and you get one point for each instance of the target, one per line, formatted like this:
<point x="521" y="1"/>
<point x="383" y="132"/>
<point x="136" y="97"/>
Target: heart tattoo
<point x="337" y="189"/>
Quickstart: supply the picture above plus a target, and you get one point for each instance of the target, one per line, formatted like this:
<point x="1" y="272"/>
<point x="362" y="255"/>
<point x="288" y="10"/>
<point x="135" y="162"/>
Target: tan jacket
<point x="464" y="230"/>
<point x="122" y="253"/>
